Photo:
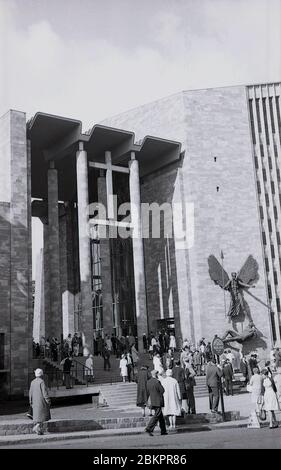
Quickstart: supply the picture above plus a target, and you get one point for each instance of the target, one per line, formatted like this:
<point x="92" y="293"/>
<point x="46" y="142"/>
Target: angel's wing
<point x="249" y="271"/>
<point x="216" y="271"/>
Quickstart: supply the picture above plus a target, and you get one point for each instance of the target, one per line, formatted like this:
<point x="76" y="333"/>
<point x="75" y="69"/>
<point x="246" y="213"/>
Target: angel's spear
<point x="222" y="275"/>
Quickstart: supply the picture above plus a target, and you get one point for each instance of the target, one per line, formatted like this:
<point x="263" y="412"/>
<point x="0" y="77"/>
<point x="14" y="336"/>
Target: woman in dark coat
<point x="190" y="384"/>
<point x="40" y="401"/>
<point x="142" y="395"/>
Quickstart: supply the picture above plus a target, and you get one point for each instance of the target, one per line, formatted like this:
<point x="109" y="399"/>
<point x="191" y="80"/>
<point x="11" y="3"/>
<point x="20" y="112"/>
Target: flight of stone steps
<point x="126" y="392"/>
<point x="113" y="376"/>
<point x="124" y="395"/>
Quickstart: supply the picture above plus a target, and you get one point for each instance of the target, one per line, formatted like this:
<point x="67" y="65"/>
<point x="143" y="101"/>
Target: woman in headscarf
<point x="256" y="388"/>
<point x="172" y="398"/>
<point x="123" y="367"/>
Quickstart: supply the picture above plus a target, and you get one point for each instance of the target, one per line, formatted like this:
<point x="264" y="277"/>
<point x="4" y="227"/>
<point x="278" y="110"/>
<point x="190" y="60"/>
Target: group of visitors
<point x="164" y="398"/>
<point x="165" y="345"/>
<point x="128" y="364"/>
<point x="48" y="347"/>
<point x="161" y="342"/>
<point x="56" y="350"/>
<point x="266" y="393"/>
<point x="116" y="345"/>
<point x="176" y="394"/>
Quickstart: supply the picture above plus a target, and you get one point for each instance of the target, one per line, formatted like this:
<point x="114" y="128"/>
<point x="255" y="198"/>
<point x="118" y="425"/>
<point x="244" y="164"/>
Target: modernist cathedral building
<point x="131" y="212"/>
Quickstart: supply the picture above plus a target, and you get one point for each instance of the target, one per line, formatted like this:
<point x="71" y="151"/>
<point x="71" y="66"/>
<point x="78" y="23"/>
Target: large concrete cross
<point x="109" y="183"/>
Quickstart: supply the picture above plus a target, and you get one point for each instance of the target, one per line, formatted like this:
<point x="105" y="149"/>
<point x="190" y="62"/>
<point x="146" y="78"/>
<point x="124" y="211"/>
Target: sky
<point x="91" y="59"/>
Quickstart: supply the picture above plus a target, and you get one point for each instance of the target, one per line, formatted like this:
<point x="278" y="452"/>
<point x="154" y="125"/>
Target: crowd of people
<point x="167" y="376"/>
<point x="176" y="370"/>
<point x="56" y="349"/>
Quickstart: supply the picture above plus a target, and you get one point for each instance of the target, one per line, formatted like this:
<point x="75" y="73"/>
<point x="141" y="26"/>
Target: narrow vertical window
<point x="258" y="114"/>
<point x="252" y="121"/>
<point x="265" y="120"/>
<point x="271" y="115"/>
<point x="278" y="114"/>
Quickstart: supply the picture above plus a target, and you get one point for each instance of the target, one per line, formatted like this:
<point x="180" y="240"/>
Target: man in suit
<point x="253" y="363"/>
<point x="155" y="391"/>
<point x="244" y="367"/>
<point x="228" y="376"/>
<point x="213" y="377"/>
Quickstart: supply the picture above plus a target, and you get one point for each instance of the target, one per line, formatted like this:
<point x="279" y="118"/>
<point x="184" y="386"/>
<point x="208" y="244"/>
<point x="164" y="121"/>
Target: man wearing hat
<point x="40" y="401"/>
<point x="156" y="393"/>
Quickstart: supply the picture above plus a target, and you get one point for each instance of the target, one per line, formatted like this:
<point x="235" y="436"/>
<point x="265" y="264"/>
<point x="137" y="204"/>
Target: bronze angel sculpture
<point x="244" y="279"/>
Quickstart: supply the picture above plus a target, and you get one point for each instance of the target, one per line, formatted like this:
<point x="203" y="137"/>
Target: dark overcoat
<point x="213" y="375"/>
<point x="155" y="392"/>
<point x="39" y="400"/>
<point x="179" y="375"/>
<point x="142" y="394"/>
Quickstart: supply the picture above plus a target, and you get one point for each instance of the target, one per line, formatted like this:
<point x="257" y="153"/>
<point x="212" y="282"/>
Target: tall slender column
<point x="39" y="309"/>
<point x="107" y="306"/>
<point x="138" y="252"/>
<point x="54" y="319"/>
<point x="66" y="271"/>
<point x="84" y="249"/>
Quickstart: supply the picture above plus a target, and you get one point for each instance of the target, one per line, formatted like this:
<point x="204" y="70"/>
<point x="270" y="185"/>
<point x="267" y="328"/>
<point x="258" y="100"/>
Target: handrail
<point x="81" y="363"/>
<point x="85" y="376"/>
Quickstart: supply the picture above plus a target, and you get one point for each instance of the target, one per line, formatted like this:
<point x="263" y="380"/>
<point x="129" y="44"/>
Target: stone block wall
<point x="15" y="297"/>
<point x="216" y="178"/>
<point x="219" y="178"/>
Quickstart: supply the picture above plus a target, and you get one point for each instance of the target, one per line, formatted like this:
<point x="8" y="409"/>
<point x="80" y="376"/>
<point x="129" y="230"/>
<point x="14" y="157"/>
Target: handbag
<point x="260" y="400"/>
<point x="249" y="388"/>
<point x="273" y="385"/>
<point x="262" y="414"/>
<point x="29" y="414"/>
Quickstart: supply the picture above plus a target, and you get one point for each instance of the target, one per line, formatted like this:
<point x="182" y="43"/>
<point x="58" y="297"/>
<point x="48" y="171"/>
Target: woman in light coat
<point x="172" y="398"/>
<point x="256" y="388"/>
<point x="40" y="401"/>
<point x="270" y="399"/>
<point x="135" y="356"/>
<point x="89" y="369"/>
<point x="277" y="381"/>
<point x="124" y="367"/>
<point x="172" y="344"/>
<point x="157" y="363"/>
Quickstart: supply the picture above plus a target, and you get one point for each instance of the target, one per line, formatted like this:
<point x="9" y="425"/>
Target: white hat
<point x="38" y="372"/>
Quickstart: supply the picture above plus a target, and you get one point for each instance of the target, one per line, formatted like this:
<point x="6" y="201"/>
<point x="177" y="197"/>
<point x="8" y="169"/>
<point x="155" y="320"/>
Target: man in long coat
<point x="213" y="378"/>
<point x="155" y="392"/>
<point x="40" y="401"/>
<point x="228" y="376"/>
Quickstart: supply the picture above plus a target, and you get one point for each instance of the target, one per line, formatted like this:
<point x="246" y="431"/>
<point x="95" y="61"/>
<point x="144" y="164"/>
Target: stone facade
<point x="15" y="292"/>
<point x="216" y="176"/>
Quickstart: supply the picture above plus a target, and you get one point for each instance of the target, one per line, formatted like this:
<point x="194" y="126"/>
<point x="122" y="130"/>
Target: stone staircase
<point x="200" y="390"/>
<point x="119" y="395"/>
<point x="105" y="379"/>
<point x="53" y="373"/>
<point x="101" y="375"/>
<point x="124" y="395"/>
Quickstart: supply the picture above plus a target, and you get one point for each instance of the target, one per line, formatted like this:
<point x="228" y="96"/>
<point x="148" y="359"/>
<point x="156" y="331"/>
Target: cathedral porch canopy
<point x="56" y="138"/>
